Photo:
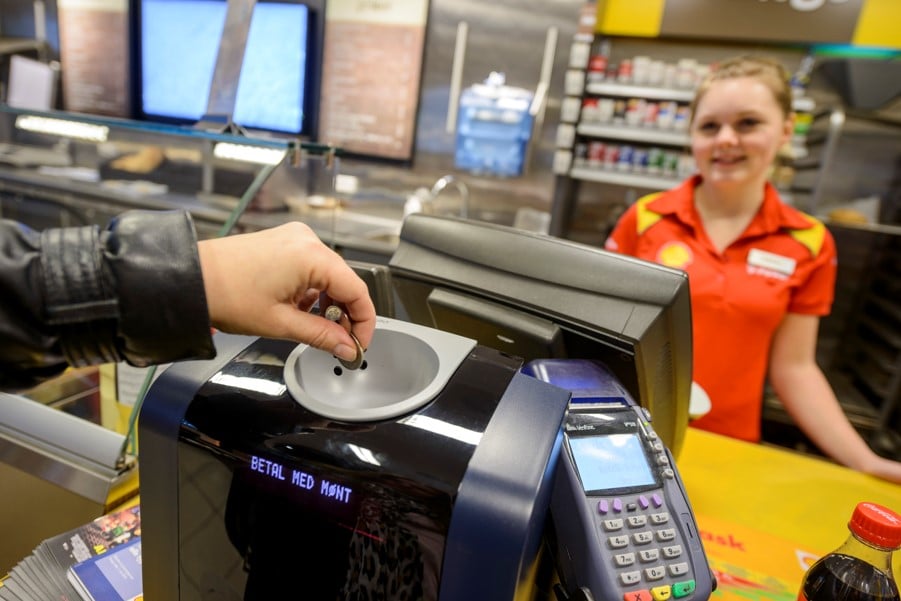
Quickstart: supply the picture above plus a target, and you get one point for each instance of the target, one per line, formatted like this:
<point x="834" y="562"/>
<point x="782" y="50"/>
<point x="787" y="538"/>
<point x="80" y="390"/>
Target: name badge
<point x="771" y="261"/>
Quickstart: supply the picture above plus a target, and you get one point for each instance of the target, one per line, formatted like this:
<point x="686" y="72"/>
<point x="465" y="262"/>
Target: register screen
<point x="611" y="462"/>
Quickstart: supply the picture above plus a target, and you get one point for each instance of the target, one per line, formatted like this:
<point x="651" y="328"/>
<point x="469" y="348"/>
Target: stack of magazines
<point x="99" y="561"/>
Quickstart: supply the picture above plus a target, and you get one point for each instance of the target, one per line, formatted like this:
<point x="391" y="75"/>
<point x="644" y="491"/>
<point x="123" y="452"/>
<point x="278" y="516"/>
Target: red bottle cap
<point x="877" y="525"/>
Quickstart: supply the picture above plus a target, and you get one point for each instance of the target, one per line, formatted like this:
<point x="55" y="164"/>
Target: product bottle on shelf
<point x="861" y="568"/>
<point x="598" y="63"/>
<point x="801" y="78"/>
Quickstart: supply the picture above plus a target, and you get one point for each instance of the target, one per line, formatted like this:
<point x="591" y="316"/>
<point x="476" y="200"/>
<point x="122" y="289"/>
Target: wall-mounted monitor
<point x="175" y="49"/>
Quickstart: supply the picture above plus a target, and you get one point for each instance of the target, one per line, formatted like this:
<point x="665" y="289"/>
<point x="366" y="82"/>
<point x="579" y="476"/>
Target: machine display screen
<point x="301" y="480"/>
<point x="611" y="462"/>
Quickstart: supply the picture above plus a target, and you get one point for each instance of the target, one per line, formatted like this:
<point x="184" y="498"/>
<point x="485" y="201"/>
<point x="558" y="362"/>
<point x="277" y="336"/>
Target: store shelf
<point x="633" y="134"/>
<point x="638" y="180"/>
<point x="609" y="88"/>
<point x="631" y="91"/>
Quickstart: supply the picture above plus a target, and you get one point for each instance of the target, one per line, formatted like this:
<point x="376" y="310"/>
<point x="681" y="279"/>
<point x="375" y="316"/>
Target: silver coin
<point x="358" y="360"/>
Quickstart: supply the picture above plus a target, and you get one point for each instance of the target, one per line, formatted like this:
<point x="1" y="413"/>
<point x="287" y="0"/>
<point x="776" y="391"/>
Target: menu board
<point x="372" y="65"/>
<point x="93" y="37"/>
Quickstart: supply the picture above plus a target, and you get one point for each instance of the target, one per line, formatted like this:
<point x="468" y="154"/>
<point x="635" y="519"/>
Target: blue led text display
<point x="301" y="480"/>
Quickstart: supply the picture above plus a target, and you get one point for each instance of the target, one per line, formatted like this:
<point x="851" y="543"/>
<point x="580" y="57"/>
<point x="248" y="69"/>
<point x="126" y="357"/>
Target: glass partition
<point x="59" y="169"/>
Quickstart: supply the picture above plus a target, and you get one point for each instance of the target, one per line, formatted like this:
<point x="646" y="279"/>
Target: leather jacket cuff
<point x="133" y="292"/>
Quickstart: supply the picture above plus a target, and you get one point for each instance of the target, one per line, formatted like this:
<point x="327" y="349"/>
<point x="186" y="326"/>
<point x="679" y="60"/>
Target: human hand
<point x="264" y="283"/>
<point x="883" y="468"/>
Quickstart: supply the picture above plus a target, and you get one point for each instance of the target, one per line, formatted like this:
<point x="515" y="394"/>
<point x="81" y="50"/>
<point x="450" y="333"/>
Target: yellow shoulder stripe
<point x="645" y="217"/>
<point x="811" y="237"/>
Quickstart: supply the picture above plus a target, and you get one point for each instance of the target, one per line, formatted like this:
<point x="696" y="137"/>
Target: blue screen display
<point x="179" y="46"/>
<point x="610" y="462"/>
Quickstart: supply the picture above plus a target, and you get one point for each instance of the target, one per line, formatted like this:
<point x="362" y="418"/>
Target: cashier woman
<point x="760" y="272"/>
<point x="145" y="291"/>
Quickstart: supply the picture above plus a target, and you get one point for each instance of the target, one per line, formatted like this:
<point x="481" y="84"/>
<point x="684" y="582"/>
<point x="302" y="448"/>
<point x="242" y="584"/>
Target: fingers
<point x="265" y="283"/>
<point x="320" y="333"/>
<point x="322" y="269"/>
<point x="308" y="299"/>
<point x="338" y="313"/>
<point x="344" y="288"/>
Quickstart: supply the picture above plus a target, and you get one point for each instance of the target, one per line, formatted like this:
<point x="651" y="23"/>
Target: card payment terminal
<point x="622" y="524"/>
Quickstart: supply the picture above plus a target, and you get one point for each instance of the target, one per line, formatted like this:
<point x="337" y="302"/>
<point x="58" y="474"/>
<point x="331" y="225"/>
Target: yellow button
<point x="661" y="593"/>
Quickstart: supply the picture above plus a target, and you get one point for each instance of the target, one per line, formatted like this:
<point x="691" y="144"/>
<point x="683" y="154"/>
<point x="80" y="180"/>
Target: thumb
<point x="320" y="333"/>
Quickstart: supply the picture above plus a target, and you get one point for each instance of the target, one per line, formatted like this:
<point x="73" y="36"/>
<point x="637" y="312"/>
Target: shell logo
<point x="675" y="254"/>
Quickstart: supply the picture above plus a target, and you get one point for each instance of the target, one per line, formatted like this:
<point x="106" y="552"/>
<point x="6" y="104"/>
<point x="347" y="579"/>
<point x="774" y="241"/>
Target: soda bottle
<point x="861" y="568"/>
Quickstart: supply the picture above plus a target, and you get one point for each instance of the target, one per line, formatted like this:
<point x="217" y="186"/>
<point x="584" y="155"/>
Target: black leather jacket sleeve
<point x="81" y="296"/>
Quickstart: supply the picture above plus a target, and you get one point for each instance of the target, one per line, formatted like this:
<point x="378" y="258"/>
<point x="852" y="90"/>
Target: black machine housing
<point x="246" y="494"/>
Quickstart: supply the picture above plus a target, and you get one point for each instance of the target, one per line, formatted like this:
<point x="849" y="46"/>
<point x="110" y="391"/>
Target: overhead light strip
<point x="62" y="127"/>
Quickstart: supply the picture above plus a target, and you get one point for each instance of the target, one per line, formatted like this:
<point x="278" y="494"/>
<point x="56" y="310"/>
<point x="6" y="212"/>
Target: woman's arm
<point x="81" y="296"/>
<point x="807" y="396"/>
<point x="145" y="291"/>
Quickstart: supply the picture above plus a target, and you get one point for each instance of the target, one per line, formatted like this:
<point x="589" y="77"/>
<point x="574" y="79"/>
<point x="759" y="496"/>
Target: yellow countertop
<point x="766" y="513"/>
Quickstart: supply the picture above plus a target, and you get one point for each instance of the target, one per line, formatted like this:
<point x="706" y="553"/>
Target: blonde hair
<point x="768" y="70"/>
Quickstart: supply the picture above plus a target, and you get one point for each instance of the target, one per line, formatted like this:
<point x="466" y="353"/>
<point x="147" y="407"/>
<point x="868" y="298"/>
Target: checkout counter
<point x="273" y="418"/>
<point x="761" y="514"/>
<point x="766" y="513"/>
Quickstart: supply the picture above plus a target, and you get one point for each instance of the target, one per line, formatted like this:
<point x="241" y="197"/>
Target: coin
<point x="335" y="313"/>
<point x="358" y="360"/>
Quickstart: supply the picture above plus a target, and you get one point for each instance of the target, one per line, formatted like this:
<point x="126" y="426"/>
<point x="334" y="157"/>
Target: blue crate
<point x="493" y="129"/>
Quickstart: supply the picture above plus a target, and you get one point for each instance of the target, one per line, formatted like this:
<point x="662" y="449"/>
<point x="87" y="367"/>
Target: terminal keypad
<point x="640" y="536"/>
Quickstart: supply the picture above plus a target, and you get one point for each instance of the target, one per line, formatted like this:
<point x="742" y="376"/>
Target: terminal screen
<point x="611" y="462"/>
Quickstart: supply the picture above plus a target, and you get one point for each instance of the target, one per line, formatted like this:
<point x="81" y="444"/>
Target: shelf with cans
<point x="617" y="133"/>
<point x="626" y="124"/>
<point x="643" y="130"/>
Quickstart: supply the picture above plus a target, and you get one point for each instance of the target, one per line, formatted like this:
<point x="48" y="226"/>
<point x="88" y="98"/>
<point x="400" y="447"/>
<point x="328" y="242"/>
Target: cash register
<point x="447" y="466"/>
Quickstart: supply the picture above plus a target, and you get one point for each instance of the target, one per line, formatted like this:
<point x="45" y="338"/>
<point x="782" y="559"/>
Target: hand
<point x="264" y="283"/>
<point x="883" y="468"/>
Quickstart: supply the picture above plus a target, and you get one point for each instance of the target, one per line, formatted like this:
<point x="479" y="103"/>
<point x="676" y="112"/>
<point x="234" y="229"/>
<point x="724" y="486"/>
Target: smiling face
<point x="738" y="125"/>
<point x="736" y="132"/>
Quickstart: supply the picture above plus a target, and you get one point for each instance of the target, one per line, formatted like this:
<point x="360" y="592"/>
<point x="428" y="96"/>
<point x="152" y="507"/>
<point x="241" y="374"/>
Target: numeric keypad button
<point x="649" y="555"/>
<point x="665" y="535"/>
<point x="672" y="551"/>
<point x="642" y="538"/>
<point x="655" y="573"/>
<point x="630" y="577"/>
<point x="678" y="569"/>
<point x="637" y="521"/>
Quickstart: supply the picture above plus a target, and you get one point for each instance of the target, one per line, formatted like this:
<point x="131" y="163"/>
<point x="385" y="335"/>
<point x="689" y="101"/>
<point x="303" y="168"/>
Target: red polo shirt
<point x="784" y="262"/>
